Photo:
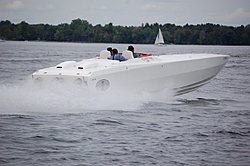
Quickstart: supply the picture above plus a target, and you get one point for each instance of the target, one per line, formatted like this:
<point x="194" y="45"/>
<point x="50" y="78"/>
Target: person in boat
<point x="131" y="48"/>
<point x="110" y="50"/>
<point x="116" y="56"/>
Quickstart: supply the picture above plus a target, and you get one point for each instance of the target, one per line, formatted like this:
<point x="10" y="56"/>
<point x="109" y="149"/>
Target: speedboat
<point x="181" y="73"/>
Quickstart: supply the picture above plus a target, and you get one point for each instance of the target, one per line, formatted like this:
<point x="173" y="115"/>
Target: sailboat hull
<point x="160" y="45"/>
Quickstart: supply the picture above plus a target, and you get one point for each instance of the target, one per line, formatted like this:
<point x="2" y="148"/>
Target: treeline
<point x="82" y="31"/>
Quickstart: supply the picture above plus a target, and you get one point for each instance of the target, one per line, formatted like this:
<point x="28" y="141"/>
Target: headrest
<point x="104" y="54"/>
<point x="128" y="54"/>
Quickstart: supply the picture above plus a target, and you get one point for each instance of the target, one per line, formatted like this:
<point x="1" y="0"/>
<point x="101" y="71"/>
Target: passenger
<point x="117" y="56"/>
<point x="110" y="50"/>
<point x="131" y="48"/>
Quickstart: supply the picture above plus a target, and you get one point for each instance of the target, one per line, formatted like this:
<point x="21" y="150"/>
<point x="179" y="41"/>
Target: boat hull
<point x="181" y="73"/>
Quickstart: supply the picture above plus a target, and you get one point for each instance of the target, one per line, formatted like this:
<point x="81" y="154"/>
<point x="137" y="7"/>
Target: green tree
<point x="57" y="35"/>
<point x="82" y="30"/>
<point x="201" y="37"/>
<point x="177" y="36"/>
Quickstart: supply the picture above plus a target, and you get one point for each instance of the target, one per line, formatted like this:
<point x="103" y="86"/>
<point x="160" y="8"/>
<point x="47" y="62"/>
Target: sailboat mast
<point x="159" y="38"/>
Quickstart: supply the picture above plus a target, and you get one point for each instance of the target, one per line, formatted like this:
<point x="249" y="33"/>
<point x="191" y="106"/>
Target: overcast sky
<point x="127" y="12"/>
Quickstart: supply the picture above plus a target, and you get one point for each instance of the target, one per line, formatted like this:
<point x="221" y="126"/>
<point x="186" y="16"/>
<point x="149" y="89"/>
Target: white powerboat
<point x="182" y="73"/>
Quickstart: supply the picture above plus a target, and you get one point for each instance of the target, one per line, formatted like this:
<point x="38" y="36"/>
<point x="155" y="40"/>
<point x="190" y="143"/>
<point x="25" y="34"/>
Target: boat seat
<point x="128" y="54"/>
<point x="104" y="54"/>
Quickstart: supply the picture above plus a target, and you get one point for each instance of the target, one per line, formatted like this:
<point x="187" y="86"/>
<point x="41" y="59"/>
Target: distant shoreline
<point x="123" y="43"/>
<point x="81" y="31"/>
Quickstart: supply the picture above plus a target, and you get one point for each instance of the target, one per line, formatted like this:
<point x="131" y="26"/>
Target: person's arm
<point x="122" y="58"/>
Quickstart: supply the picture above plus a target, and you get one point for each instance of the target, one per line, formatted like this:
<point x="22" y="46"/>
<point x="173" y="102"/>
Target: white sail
<point x="159" y="38"/>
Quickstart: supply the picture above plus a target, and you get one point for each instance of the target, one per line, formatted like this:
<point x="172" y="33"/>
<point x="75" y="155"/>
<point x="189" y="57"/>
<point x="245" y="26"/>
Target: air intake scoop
<point x="66" y="64"/>
<point x="88" y="65"/>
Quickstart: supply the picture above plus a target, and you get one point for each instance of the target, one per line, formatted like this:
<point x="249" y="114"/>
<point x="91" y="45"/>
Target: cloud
<point x="15" y="5"/>
<point x="50" y="7"/>
<point x="183" y="17"/>
<point x="103" y="7"/>
<point x="238" y="13"/>
<point x="46" y="8"/>
<point x="105" y="18"/>
<point x="174" y="9"/>
<point x="150" y="7"/>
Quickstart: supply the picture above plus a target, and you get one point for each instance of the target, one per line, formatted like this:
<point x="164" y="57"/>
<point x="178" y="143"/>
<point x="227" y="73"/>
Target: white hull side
<point x="158" y="76"/>
<point x="182" y="73"/>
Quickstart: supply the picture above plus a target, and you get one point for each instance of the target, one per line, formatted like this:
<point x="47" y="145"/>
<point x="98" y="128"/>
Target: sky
<point x="127" y="12"/>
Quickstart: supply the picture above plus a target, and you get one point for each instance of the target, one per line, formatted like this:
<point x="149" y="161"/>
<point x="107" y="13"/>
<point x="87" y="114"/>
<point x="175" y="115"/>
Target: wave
<point x="60" y="98"/>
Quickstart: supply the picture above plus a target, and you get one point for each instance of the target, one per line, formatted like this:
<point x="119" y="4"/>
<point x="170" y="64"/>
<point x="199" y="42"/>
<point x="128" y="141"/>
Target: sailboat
<point x="159" y="39"/>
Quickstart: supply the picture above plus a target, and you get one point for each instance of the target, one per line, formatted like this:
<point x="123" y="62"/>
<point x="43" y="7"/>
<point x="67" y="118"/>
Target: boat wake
<point x="29" y="97"/>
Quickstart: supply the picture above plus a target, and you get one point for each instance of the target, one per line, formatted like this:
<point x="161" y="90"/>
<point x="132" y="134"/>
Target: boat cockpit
<point x="104" y="54"/>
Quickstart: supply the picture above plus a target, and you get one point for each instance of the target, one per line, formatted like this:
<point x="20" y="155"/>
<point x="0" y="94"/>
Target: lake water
<point x="67" y="126"/>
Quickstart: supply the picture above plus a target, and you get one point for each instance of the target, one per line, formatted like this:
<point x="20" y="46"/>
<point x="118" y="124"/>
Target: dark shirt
<point x="136" y="55"/>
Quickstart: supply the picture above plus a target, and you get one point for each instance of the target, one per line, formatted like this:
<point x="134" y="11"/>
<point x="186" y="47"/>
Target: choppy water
<point x="66" y="126"/>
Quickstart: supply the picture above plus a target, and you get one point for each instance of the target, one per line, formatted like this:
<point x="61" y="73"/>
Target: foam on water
<point x="59" y="98"/>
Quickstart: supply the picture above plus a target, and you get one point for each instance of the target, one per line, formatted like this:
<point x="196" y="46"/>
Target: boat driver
<point x="116" y="56"/>
<point x="131" y="48"/>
